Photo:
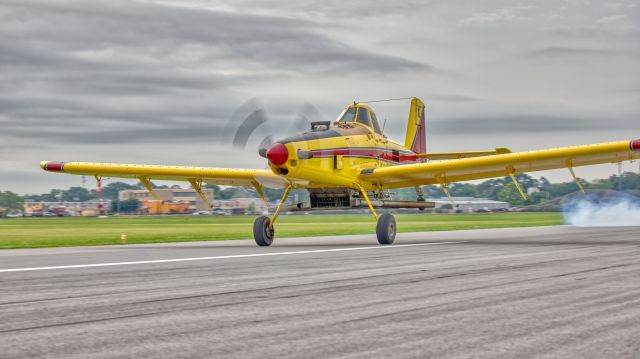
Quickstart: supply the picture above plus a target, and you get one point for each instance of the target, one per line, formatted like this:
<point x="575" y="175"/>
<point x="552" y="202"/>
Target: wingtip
<point x="635" y="145"/>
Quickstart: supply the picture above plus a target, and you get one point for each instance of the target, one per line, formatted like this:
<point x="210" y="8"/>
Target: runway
<point x="548" y="292"/>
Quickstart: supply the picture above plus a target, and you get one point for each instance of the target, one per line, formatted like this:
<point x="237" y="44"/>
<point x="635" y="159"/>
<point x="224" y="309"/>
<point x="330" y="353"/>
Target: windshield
<point x="363" y="116"/>
<point x="374" y="120"/>
<point x="349" y="115"/>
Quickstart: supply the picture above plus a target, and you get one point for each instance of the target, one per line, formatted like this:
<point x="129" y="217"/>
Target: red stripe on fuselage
<point x="368" y="152"/>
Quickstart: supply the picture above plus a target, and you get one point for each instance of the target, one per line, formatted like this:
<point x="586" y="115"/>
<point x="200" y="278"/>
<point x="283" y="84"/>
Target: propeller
<point x="250" y="121"/>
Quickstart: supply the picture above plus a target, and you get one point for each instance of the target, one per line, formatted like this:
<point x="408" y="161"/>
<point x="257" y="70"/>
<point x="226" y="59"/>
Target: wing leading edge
<point x="211" y="175"/>
<point x="466" y="169"/>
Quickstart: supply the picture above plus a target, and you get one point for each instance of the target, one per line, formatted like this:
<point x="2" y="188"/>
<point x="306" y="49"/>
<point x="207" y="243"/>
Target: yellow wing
<point x="220" y="176"/>
<point x="466" y="169"/>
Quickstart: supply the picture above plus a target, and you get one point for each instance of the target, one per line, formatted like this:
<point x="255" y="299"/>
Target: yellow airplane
<point x="350" y="163"/>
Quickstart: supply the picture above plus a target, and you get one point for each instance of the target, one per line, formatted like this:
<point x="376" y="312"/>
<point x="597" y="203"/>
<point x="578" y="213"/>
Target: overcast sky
<point x="159" y="81"/>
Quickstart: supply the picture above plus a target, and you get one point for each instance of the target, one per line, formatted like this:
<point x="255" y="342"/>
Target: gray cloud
<point x="578" y="52"/>
<point x="526" y="124"/>
<point x="158" y="80"/>
<point x="72" y="69"/>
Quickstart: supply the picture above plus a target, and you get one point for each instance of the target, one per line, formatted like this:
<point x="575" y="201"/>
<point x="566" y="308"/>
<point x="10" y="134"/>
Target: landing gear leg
<point x="386" y="226"/>
<point x="420" y="196"/>
<point x="263" y="231"/>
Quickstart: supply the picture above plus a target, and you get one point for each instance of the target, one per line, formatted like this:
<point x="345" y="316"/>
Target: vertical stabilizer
<point x="416" y="139"/>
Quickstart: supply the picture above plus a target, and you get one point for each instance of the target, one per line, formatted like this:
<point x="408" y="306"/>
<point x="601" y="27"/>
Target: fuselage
<point x="334" y="155"/>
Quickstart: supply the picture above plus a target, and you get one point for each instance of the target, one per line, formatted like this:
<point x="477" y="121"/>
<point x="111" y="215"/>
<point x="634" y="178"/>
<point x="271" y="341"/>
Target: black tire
<point x="262" y="233"/>
<point x="386" y="229"/>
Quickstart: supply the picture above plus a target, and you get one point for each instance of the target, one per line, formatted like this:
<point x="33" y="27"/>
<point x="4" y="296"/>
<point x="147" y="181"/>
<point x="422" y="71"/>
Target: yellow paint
<point x="366" y="198"/>
<point x="280" y="205"/>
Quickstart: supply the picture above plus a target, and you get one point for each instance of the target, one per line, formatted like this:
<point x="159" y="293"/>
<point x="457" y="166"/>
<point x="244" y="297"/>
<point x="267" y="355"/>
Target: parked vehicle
<point x="201" y="213"/>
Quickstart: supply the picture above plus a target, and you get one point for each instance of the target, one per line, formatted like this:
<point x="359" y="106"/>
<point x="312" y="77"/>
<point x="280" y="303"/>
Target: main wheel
<point x="262" y="233"/>
<point x="386" y="229"/>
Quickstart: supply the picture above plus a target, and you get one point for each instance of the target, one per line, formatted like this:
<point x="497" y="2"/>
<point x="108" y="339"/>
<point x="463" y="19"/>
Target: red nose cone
<point x="635" y="146"/>
<point x="278" y="154"/>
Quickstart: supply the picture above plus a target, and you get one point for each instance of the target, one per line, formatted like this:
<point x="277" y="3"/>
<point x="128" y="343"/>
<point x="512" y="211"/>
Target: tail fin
<point x="416" y="139"/>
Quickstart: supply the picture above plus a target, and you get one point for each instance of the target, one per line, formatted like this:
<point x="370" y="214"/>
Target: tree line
<point x="499" y="189"/>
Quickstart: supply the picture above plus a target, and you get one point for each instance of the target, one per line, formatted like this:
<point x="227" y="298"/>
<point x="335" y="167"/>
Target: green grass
<point x="78" y="231"/>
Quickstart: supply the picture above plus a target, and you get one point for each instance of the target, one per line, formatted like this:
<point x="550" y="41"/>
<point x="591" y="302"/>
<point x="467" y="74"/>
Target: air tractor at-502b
<point x="350" y="163"/>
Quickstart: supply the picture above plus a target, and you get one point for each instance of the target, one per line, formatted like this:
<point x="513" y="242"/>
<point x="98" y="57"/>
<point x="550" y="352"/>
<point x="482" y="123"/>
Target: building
<point x="187" y="197"/>
<point x="152" y="206"/>
<point x="240" y="205"/>
<point x="470" y="204"/>
<point x="64" y="208"/>
<point x="180" y="201"/>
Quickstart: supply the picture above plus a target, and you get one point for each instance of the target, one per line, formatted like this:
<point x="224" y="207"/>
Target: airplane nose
<point x="278" y="154"/>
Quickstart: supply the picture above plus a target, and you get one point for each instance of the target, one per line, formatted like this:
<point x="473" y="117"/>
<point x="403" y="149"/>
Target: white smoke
<point x="590" y="211"/>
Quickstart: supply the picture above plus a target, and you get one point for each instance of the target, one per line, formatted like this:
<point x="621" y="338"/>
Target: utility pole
<point x="99" y="190"/>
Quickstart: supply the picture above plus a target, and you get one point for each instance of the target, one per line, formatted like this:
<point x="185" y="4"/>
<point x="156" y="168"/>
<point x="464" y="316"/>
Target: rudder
<point x="416" y="139"/>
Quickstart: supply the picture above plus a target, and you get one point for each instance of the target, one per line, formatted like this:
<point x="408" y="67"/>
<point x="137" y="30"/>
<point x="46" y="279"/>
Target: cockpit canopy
<point x="361" y="114"/>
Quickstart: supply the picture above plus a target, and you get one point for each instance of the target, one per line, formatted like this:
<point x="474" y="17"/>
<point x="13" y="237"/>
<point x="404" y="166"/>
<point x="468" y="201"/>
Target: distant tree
<point x="525" y="181"/>
<point x="544" y="185"/>
<point x="53" y="196"/>
<point x="251" y="208"/>
<point x="463" y="190"/>
<point x="214" y="187"/>
<point x="432" y="191"/>
<point x="11" y="201"/>
<point x="404" y="194"/>
<point x="626" y="181"/>
<point x="78" y="194"/>
<point x="601" y="184"/>
<point x="489" y="189"/>
<point x="509" y="193"/>
<point x="563" y="189"/>
<point x="538" y="197"/>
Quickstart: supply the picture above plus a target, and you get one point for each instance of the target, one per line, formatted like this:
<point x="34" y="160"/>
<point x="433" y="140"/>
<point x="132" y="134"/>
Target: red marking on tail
<point x="420" y="141"/>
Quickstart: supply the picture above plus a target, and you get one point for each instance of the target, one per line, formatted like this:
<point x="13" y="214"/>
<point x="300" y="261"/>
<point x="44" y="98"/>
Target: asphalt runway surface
<point x="545" y="292"/>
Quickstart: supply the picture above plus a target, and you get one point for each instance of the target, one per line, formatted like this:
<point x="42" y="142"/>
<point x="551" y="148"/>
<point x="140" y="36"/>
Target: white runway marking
<point x="222" y="257"/>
